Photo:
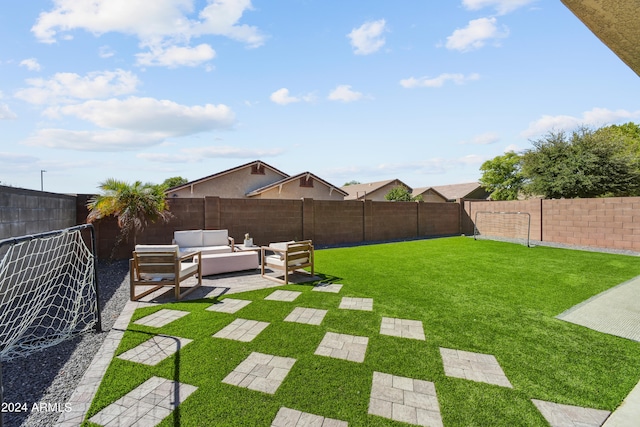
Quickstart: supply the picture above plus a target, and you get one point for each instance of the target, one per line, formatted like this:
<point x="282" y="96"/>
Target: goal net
<point x="512" y="227"/>
<point x="48" y="290"/>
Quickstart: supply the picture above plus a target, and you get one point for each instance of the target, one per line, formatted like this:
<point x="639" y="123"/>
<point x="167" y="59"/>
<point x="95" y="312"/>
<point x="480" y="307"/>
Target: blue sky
<point x="422" y="91"/>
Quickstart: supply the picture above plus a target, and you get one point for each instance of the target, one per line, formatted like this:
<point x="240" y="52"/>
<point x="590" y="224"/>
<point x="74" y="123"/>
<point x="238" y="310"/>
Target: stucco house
<point x="452" y="192"/>
<point x="258" y="179"/>
<point x="234" y="183"/>
<point x="372" y="190"/>
<point x="303" y="185"/>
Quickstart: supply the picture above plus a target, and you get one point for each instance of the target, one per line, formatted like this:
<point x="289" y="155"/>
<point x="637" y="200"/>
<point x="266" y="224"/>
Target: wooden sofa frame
<point x="291" y="257"/>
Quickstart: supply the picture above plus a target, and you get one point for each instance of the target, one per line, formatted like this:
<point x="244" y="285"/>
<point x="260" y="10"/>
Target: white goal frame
<point x="514" y="227"/>
<point x="48" y="291"/>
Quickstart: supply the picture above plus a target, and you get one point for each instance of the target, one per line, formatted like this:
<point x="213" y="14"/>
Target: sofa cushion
<point x="215" y="237"/>
<point x="188" y="238"/>
<point x="206" y="250"/>
<point x="281" y="246"/>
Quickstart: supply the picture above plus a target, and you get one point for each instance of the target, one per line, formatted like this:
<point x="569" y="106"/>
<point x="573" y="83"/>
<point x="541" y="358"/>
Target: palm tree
<point x="134" y="205"/>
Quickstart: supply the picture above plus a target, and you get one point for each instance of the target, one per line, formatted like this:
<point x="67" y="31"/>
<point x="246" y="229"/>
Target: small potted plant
<point x="248" y="241"/>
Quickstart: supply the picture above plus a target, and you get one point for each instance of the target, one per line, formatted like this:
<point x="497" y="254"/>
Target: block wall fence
<point x="611" y="223"/>
<point x="326" y="222"/>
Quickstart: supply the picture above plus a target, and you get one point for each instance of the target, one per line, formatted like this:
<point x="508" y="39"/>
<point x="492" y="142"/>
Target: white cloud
<point x="6" y="113"/>
<point x="439" y="81"/>
<point x="484" y="139"/>
<point x="65" y="87"/>
<point x="6" y="157"/>
<point x="282" y="97"/>
<point x="31" y="64"/>
<point x="475" y="35"/>
<point x="150" y="115"/>
<point x="501" y="6"/>
<point x="174" y="56"/>
<point x="106" y="52"/>
<point x="194" y="155"/>
<point x="156" y="23"/>
<point x="368" y="38"/>
<point x="596" y="117"/>
<point x="345" y="94"/>
<point x="115" y="140"/>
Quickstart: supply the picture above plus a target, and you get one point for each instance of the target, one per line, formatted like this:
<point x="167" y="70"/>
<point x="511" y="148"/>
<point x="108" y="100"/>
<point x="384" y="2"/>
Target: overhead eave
<point x="615" y="23"/>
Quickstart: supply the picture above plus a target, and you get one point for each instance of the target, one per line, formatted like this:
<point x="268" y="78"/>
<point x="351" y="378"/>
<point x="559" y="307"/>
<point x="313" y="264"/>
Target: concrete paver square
<point x="281" y="295"/>
<point x="260" y="372"/>
<point x="161" y="318"/>
<point x="405" y="399"/>
<point x="402" y="328"/>
<point x="333" y="288"/>
<point x="287" y="417"/>
<point x="309" y="316"/>
<point x="343" y="346"/>
<point x="154" y="350"/>
<point x="558" y="415"/>
<point x="241" y="330"/>
<point x="146" y="405"/>
<point x="349" y="303"/>
<point x="473" y="366"/>
<point x="228" y="305"/>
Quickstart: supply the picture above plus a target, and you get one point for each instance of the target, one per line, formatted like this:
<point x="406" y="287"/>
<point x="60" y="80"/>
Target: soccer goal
<point x="512" y="227"/>
<point x="48" y="290"/>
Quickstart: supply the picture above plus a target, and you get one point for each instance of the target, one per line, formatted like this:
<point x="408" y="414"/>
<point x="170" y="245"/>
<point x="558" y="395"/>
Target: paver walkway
<point x="241" y="330"/>
<point x="402" y="328"/>
<point x="287" y="296"/>
<point x="343" y="346"/>
<point x="146" y="405"/>
<point x="309" y="316"/>
<point x="405" y="399"/>
<point x="229" y="305"/>
<point x="155" y="349"/>
<point x="326" y="287"/>
<point x="261" y="372"/>
<point x="349" y="303"/>
<point x="287" y="417"/>
<point x="161" y="318"/>
<point x="473" y="366"/>
<point x="570" y="416"/>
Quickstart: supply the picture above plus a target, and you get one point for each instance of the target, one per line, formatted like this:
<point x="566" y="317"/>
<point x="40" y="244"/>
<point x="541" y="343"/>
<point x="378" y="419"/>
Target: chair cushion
<point x="188" y="268"/>
<point x="157" y="248"/>
<point x="215" y="237"/>
<point x="188" y="238"/>
<point x="281" y="246"/>
<point x="276" y="260"/>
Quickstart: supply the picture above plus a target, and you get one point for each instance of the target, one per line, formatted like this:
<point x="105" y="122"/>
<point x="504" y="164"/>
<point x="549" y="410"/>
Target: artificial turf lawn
<point x="480" y="296"/>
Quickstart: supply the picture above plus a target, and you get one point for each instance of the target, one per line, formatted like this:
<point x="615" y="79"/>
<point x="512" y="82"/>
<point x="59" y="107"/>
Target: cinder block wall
<point x="612" y="222"/>
<point x="24" y="212"/>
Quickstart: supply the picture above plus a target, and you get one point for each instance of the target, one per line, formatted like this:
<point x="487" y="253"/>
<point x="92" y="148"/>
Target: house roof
<point x="615" y="23"/>
<point x="219" y="174"/>
<point x="422" y="190"/>
<point x="455" y="191"/>
<point x="359" y="191"/>
<point x="294" y="178"/>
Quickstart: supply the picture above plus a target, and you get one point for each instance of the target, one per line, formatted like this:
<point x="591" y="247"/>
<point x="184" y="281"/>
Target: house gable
<point x="372" y="190"/>
<point x="303" y="185"/>
<point x="232" y="183"/>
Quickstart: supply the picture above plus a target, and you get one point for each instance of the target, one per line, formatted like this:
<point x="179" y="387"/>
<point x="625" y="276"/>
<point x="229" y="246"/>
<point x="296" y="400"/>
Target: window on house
<point x="306" y="182"/>
<point x="257" y="169"/>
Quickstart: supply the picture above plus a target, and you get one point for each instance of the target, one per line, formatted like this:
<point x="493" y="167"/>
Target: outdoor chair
<point x="161" y="265"/>
<point x="287" y="257"/>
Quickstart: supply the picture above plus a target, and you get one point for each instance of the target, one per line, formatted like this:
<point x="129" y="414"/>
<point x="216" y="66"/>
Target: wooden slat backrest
<point x="155" y="262"/>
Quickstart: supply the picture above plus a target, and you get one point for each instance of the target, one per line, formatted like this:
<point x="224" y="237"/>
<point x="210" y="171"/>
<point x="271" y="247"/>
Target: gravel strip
<point x="49" y="377"/>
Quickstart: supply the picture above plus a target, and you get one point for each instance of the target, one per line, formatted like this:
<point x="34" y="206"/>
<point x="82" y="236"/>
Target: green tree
<point x="401" y="193"/>
<point x="353" y="182"/>
<point x="585" y="163"/>
<point x="174" y="181"/>
<point x="502" y="176"/>
<point x="134" y="205"/>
